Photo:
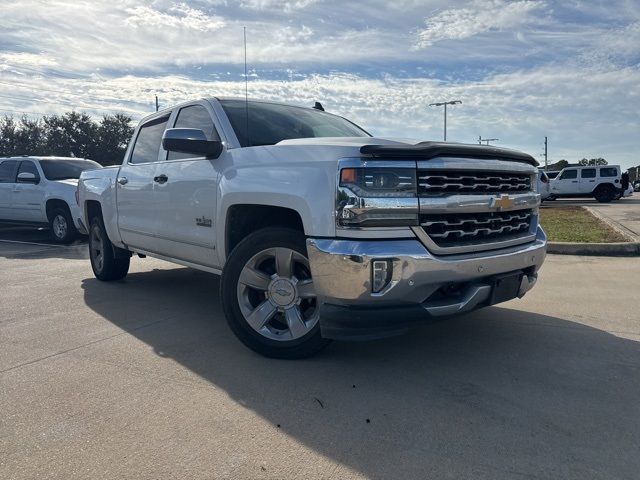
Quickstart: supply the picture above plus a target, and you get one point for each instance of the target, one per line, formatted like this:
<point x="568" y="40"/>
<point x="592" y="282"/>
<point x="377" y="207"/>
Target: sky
<point x="523" y="69"/>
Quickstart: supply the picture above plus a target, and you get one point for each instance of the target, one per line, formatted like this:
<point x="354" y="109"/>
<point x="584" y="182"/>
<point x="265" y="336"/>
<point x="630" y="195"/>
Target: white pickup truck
<point x="319" y="230"/>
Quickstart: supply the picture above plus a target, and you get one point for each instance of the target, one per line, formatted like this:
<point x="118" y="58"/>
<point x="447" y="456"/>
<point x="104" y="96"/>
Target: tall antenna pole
<point x="445" y="122"/>
<point x="246" y="86"/>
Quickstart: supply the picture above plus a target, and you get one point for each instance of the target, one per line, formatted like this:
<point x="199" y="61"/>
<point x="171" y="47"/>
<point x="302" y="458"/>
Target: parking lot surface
<point x="143" y="379"/>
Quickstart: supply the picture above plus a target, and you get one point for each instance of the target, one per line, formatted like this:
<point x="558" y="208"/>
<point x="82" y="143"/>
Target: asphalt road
<point x="143" y="379"/>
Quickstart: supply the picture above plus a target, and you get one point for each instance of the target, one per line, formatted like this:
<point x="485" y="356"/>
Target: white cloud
<point x="177" y="16"/>
<point x="476" y="17"/>
<point x="26" y="59"/>
<point x="284" y="5"/>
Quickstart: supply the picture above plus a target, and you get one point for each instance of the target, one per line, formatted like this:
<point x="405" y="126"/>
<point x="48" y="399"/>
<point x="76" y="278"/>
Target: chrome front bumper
<point x="341" y="271"/>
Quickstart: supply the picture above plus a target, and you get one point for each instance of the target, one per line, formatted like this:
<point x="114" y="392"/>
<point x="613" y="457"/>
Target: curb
<point x="626" y="249"/>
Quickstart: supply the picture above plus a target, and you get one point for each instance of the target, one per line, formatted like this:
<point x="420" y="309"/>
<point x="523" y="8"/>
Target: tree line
<point x="72" y="134"/>
<point x="586" y="162"/>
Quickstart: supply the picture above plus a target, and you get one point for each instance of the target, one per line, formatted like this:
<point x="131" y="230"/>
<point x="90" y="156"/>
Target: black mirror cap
<point x="190" y="140"/>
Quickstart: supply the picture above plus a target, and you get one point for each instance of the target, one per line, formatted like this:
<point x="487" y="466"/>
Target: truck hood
<point x="407" y="148"/>
<point x="68" y="181"/>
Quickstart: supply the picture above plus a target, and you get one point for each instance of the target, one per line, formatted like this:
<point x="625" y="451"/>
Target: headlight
<point x="377" y="197"/>
<point x="382" y="182"/>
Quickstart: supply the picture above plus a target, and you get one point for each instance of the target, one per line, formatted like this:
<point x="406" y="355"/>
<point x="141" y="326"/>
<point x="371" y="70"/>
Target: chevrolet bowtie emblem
<point x="502" y="202"/>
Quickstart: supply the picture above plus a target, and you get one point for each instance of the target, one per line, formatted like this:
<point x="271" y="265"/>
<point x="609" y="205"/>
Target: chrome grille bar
<point x="436" y="182"/>
<point x="477" y="228"/>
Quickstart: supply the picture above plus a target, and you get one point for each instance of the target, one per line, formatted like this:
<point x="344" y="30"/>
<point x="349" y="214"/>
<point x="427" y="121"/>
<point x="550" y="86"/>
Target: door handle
<point x="123" y="180"/>
<point x="161" y="179"/>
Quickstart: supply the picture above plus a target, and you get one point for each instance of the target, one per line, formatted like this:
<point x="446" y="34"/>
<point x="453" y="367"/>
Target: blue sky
<point x="522" y="68"/>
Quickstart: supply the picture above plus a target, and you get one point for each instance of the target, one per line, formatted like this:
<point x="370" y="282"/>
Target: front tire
<point x="268" y="296"/>
<point x="61" y="226"/>
<point x="104" y="263"/>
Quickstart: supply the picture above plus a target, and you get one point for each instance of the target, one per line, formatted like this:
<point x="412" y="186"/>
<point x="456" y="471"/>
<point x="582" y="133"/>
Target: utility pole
<point x="546" y="162"/>
<point x="156" y="103"/>
<point x="441" y="104"/>
<point x="480" y="140"/>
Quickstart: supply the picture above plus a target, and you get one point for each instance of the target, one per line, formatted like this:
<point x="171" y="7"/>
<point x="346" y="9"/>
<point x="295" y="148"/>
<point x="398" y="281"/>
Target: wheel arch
<point x="53" y="203"/>
<point x="243" y="219"/>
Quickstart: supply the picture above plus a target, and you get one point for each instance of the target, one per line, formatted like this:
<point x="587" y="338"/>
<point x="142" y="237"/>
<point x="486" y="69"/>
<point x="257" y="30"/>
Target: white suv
<point x="42" y="191"/>
<point x="601" y="183"/>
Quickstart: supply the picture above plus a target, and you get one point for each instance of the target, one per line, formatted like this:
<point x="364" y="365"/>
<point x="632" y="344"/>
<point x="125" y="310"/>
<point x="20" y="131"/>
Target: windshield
<point x="65" y="169"/>
<point x="271" y="123"/>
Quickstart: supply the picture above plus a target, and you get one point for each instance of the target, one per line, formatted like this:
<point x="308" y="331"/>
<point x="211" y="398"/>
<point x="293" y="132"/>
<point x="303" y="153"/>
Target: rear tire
<point x="604" y="193"/>
<point x="268" y="296"/>
<point x="104" y="263"/>
<point x="61" y="226"/>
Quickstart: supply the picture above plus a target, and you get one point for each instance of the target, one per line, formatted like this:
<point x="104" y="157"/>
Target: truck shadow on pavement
<point x="496" y="393"/>
<point x="31" y="243"/>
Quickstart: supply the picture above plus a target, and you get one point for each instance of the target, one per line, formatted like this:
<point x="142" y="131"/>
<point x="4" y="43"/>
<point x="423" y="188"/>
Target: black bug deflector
<point x="429" y="150"/>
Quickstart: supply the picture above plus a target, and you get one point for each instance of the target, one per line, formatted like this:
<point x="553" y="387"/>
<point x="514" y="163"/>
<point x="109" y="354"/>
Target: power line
<point x="72" y="105"/>
<point x="19" y="85"/>
<point x="23" y="112"/>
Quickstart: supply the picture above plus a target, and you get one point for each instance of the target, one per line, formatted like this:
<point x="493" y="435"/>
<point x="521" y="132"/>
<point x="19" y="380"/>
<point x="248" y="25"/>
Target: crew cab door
<point x="7" y="182"/>
<point x="27" y="198"/>
<point x="587" y="180"/>
<point x="136" y="196"/>
<point x="566" y="183"/>
<point x="187" y="197"/>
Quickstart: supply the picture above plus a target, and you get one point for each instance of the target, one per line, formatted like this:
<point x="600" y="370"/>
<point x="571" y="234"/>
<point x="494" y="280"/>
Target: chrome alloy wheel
<point x="59" y="226"/>
<point x="96" y="248"/>
<point x="276" y="294"/>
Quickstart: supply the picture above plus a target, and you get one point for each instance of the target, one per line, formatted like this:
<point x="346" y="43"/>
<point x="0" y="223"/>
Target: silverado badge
<point x="203" y="222"/>
<point x="502" y="202"/>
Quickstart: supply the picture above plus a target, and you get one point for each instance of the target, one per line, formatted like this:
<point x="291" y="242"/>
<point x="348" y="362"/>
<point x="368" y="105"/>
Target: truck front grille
<point x="438" y="182"/>
<point x="456" y="229"/>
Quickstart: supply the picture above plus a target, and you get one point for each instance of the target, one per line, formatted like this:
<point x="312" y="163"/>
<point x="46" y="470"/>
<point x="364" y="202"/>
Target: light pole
<point x="480" y="140"/>
<point x="440" y="104"/>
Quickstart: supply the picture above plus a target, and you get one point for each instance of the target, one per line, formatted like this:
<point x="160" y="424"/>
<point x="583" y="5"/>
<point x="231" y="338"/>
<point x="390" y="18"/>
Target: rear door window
<point x="8" y="171"/>
<point x="194" y="116"/>
<point x="609" y="172"/>
<point x="588" y="173"/>
<point x="147" y="146"/>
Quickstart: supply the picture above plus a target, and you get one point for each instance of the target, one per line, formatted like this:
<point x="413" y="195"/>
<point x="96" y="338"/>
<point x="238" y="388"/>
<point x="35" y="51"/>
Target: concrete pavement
<point x="143" y="379"/>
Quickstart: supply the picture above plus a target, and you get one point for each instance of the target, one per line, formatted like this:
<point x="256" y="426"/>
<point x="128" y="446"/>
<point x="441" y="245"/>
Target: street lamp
<point x="440" y="104"/>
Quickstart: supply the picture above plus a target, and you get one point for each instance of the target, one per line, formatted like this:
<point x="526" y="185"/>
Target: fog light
<point x="380" y="274"/>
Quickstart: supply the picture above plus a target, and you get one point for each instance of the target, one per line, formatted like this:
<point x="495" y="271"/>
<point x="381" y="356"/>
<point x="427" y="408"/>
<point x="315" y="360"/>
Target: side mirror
<point x="27" y="177"/>
<point x="190" y="140"/>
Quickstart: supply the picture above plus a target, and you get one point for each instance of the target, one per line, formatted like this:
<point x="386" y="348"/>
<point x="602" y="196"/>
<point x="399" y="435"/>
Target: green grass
<point x="575" y="224"/>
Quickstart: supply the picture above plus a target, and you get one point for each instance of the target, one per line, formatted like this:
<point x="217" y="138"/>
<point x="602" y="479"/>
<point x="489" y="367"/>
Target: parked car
<point x="636" y="186"/>
<point x="544" y="185"/>
<point x="319" y="230"/>
<point x="37" y="191"/>
<point x="601" y="183"/>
